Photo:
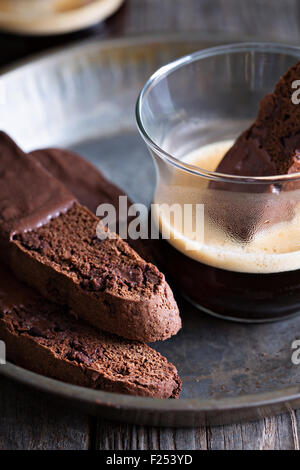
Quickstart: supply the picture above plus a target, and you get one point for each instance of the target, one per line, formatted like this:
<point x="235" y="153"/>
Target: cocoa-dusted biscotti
<point x="89" y="186"/>
<point x="43" y="338"/>
<point x="49" y="240"/>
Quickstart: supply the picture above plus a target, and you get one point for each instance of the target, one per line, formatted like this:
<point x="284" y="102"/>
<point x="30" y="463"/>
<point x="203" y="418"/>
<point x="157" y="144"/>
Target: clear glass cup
<point x="242" y="260"/>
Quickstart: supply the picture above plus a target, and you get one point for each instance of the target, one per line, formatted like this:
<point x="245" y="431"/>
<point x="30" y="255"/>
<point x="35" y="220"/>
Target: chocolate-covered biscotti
<point x="50" y="241"/>
<point x="271" y="146"/>
<point x="43" y="338"/>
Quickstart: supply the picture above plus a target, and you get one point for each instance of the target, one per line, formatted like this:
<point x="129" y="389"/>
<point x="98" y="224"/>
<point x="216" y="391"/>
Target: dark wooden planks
<point x="280" y="432"/>
<point x="32" y="421"/>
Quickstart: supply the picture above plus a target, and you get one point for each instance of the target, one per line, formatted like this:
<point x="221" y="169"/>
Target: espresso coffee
<point x="253" y="279"/>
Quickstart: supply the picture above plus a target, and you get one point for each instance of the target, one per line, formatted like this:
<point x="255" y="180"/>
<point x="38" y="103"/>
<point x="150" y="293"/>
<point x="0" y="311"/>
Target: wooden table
<point x="29" y="420"/>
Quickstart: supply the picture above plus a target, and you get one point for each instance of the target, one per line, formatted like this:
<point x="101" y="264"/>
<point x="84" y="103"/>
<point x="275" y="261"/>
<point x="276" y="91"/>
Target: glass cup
<point x="231" y="244"/>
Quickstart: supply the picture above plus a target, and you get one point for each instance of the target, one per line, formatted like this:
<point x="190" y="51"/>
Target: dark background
<point x="267" y="19"/>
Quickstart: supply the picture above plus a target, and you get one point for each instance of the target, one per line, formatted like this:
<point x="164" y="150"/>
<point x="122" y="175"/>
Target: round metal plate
<point x="83" y="98"/>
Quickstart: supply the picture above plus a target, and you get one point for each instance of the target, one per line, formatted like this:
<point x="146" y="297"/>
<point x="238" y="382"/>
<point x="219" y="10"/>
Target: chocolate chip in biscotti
<point x="50" y="240"/>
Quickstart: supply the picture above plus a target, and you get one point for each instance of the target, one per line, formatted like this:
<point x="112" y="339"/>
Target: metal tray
<point x="83" y="98"/>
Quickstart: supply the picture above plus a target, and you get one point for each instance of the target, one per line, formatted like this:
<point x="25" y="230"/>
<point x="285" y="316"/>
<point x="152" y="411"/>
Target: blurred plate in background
<point x="54" y="16"/>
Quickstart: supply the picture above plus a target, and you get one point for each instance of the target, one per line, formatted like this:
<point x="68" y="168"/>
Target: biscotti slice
<point x="54" y="248"/>
<point x="80" y="177"/>
<point x="90" y="187"/>
<point x="271" y="146"/>
<point x="43" y="338"/>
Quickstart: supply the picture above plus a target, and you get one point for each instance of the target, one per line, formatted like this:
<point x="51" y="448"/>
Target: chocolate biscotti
<point x="271" y="146"/>
<point x="80" y="177"/>
<point x="43" y="338"/>
<point x="90" y="187"/>
<point x="49" y="240"/>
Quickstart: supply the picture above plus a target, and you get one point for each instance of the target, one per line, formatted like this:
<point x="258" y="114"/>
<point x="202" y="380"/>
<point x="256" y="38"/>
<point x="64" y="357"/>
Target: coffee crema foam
<point x="271" y="250"/>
